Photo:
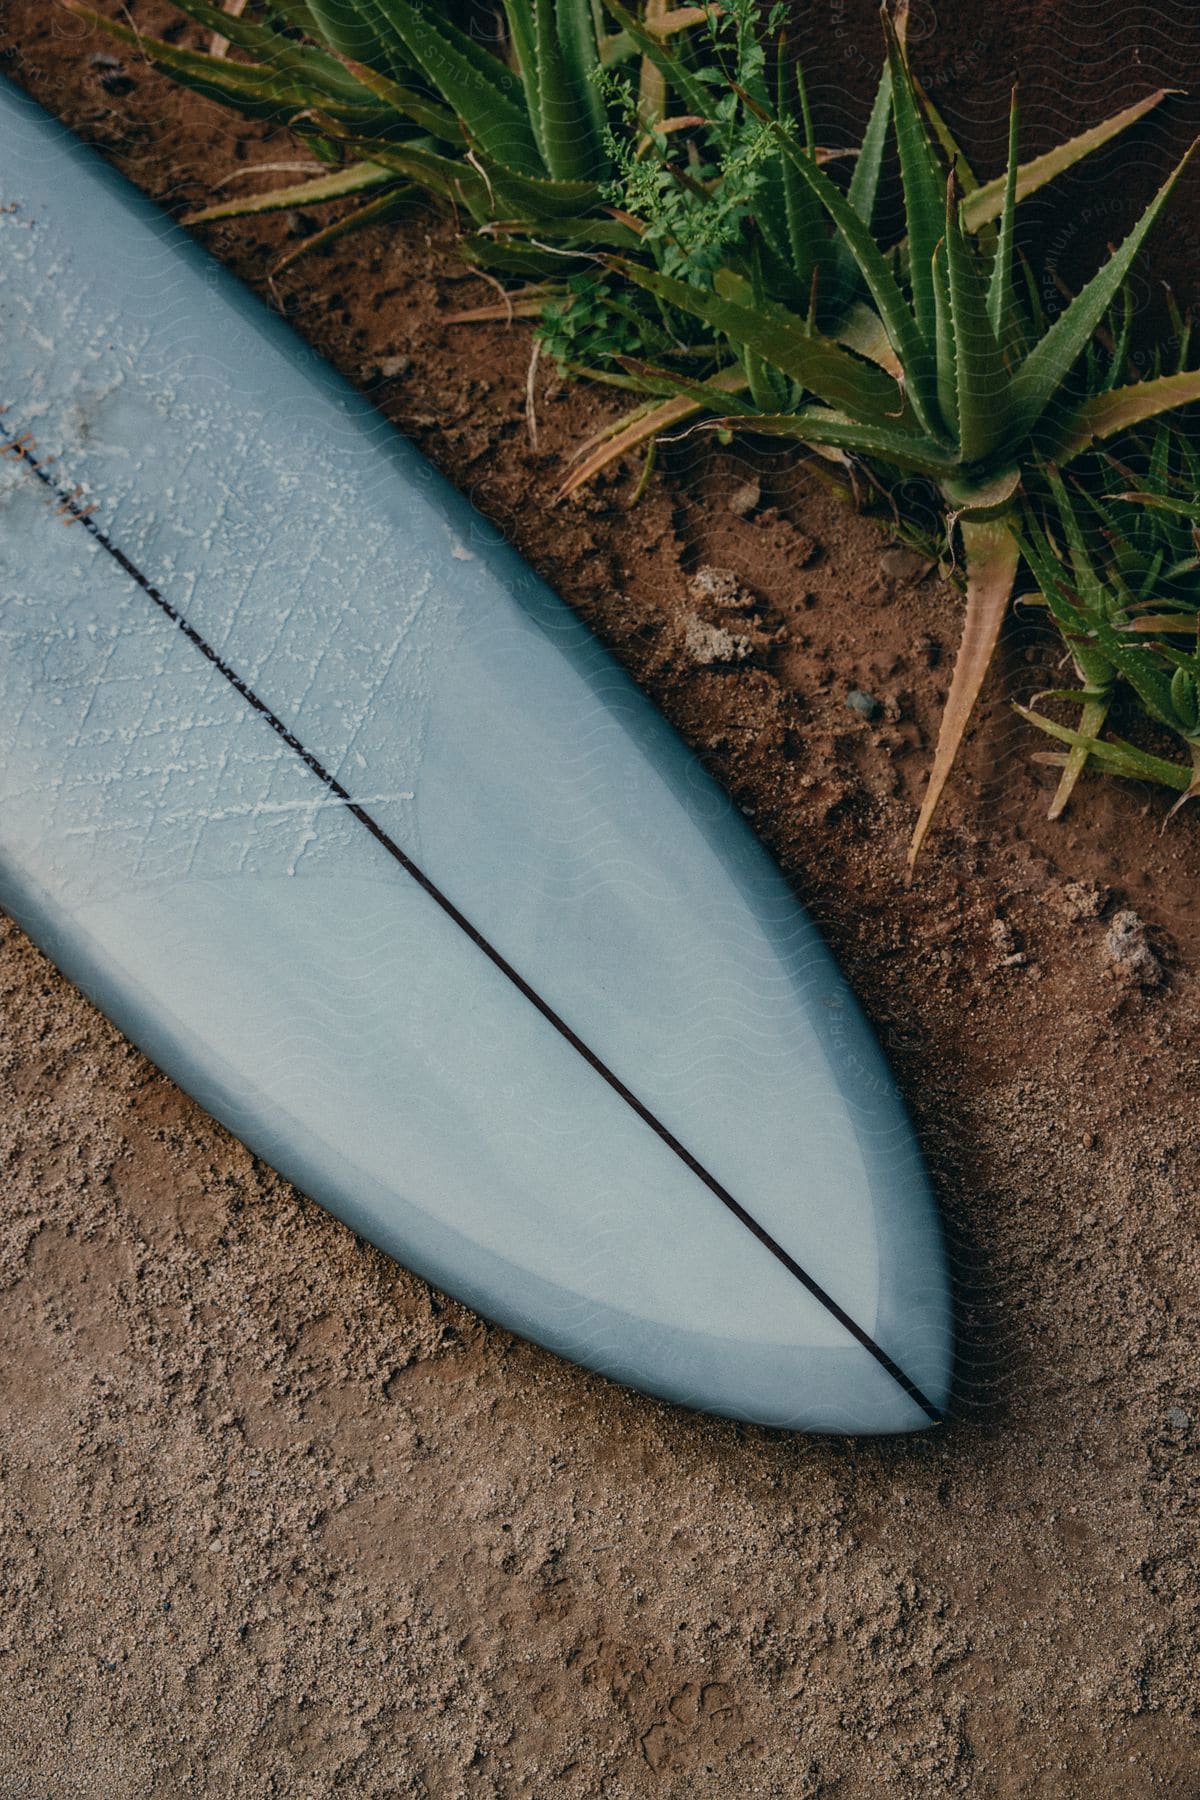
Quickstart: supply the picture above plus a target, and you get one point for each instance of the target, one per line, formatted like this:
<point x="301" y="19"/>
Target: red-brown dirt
<point x="277" y="1519"/>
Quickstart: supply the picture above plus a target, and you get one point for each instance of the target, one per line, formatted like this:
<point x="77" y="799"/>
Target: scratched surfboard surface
<point x="355" y="829"/>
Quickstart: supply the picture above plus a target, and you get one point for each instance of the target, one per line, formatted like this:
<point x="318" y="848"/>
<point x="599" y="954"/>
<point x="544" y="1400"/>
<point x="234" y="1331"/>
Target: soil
<point x="276" y="1519"/>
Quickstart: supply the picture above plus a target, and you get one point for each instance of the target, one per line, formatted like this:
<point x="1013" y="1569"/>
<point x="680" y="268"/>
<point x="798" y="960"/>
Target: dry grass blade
<point x="652" y="86"/>
<point x="519" y="306"/>
<point x="641" y="426"/>
<point x="992" y="557"/>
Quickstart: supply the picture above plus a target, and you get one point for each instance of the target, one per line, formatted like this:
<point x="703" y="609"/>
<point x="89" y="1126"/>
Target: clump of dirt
<point x="279" y="1519"/>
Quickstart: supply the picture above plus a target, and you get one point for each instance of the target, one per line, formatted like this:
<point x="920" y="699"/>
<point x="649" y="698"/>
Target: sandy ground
<point x="275" y="1519"/>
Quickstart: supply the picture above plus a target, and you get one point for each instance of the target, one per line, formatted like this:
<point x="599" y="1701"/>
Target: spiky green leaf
<point x="355" y="179"/>
<point x="1045" y="369"/>
<point x="816" y="362"/>
<point x="985" y="205"/>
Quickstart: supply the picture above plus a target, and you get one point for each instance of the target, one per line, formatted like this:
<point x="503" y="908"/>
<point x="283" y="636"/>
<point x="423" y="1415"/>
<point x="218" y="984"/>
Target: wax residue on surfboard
<point x="208" y="530"/>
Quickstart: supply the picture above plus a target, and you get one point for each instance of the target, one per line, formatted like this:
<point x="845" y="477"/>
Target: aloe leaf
<point x="245" y="86"/>
<point x="300" y="62"/>
<point x="985" y="205"/>
<point x="943" y="341"/>
<point x="640" y="427"/>
<point x="1122" y="408"/>
<point x="522" y="34"/>
<point x="803" y="219"/>
<point x="1140" y="669"/>
<point x="873" y="266"/>
<point x="861" y="329"/>
<point x="438" y="121"/>
<point x="481" y="90"/>
<point x="1091" y="724"/>
<point x="817" y="362"/>
<point x="518" y="196"/>
<point x="992" y="557"/>
<point x="361" y="30"/>
<point x="585" y="229"/>
<point x="863" y="191"/>
<point x="716" y="394"/>
<point x="981" y="378"/>
<point x="922" y="182"/>
<point x="1090" y="587"/>
<point x="298" y="14"/>
<point x="442" y="175"/>
<point x="1000" y="304"/>
<point x="1051" y="360"/>
<point x="1183" y="509"/>
<point x="355" y="179"/>
<point x="952" y="150"/>
<point x="1114" y="755"/>
<point x="506" y="256"/>
<point x="577" y="36"/>
<point x="820" y="425"/>
<point x="569" y="142"/>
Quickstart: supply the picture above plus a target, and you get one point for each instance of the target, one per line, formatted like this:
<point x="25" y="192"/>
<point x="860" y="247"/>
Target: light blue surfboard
<point x="335" y="809"/>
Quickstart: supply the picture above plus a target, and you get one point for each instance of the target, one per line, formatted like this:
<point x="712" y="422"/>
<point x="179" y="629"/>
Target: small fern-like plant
<point x="1120" y="574"/>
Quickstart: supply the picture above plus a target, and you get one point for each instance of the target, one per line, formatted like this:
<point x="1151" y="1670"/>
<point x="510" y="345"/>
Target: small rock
<point x="744" y="499"/>
<point x="720" y="587"/>
<point x="865" y="705"/>
<point x="1178" y="1420"/>
<point x="707" y="644"/>
<point x="1129" y="954"/>
<point x="390" y="368"/>
<point x="901" y="564"/>
<point x="301" y="224"/>
<point x="104" y="59"/>
<point x="1007" y="945"/>
<point x="1079" y="900"/>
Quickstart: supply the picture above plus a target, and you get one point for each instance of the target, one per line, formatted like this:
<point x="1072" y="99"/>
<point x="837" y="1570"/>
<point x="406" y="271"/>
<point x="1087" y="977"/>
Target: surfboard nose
<point x="358" y="831"/>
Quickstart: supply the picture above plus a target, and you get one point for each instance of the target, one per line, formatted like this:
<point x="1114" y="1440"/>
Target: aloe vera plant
<point x="779" y="258"/>
<point x="978" y="390"/>
<point x="1120" y="574"/>
<point x="741" y="278"/>
<point x="395" y="98"/>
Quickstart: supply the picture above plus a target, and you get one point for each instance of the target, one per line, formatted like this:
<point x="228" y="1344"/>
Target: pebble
<point x="390" y="368"/>
<point x="1179" y="1420"/>
<point x="744" y="499"/>
<point x="902" y="564"/>
<point x="707" y="644"/>
<point x="864" y="704"/>
<point x="720" y="587"/>
<point x="1079" y="900"/>
<point x="1128" y="951"/>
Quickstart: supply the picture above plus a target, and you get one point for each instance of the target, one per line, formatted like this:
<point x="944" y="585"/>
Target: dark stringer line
<point x="73" y="511"/>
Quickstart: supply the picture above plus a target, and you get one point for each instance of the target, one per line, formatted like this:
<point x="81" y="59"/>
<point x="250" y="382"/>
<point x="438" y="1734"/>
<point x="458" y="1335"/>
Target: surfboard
<point x="354" y="828"/>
